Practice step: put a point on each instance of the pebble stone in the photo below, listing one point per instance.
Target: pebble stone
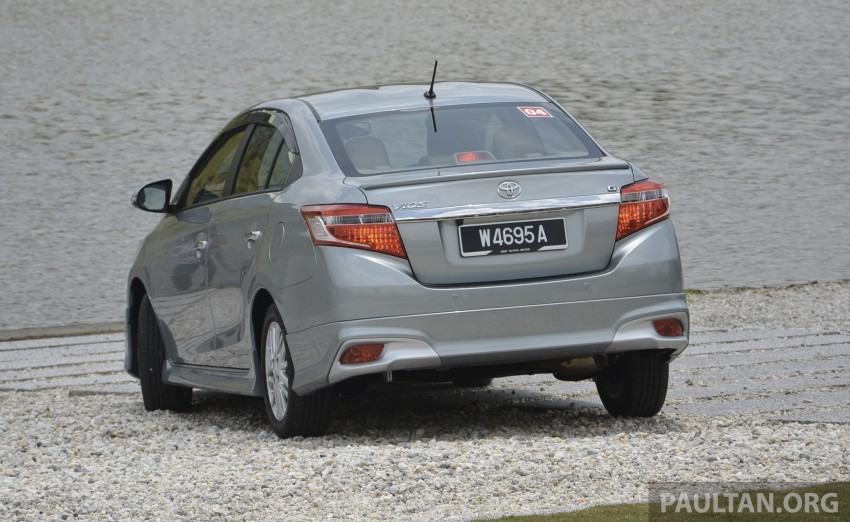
(102, 457)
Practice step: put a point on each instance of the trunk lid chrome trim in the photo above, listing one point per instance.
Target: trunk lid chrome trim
(509, 207)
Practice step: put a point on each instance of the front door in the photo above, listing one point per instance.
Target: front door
(179, 286)
(179, 283)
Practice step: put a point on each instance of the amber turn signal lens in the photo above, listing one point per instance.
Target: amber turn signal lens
(361, 353)
(358, 226)
(642, 204)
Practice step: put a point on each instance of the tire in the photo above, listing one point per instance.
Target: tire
(290, 414)
(635, 385)
(473, 382)
(156, 394)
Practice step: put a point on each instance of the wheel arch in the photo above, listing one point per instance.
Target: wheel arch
(137, 292)
(262, 300)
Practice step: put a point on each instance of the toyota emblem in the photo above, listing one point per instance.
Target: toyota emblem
(509, 189)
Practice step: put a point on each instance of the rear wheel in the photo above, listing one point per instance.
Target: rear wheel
(635, 385)
(156, 394)
(290, 414)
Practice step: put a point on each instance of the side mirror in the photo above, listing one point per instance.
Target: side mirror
(153, 197)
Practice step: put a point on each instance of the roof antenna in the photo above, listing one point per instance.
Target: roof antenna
(430, 94)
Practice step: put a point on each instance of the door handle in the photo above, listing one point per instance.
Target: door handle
(200, 246)
(251, 236)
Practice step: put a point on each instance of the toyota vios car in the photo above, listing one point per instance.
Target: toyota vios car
(380, 233)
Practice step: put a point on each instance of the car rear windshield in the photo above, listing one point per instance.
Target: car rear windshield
(406, 140)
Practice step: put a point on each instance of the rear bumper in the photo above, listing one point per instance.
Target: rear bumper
(368, 298)
(492, 336)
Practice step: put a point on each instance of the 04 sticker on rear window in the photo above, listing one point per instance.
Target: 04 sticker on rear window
(535, 112)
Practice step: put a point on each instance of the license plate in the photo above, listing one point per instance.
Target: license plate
(514, 237)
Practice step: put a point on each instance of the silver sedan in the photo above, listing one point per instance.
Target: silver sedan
(380, 234)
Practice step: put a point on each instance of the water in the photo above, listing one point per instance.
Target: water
(741, 108)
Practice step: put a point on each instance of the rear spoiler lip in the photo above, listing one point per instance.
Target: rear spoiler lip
(406, 179)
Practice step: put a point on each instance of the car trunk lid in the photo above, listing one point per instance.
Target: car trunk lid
(470, 225)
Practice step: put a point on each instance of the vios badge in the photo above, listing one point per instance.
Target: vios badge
(509, 189)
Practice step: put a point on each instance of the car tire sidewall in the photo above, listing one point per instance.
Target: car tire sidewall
(156, 394)
(282, 427)
(636, 386)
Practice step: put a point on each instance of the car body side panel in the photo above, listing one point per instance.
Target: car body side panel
(289, 258)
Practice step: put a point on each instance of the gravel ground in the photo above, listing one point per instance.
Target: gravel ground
(823, 306)
(418, 453)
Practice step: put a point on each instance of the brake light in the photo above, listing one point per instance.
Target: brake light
(642, 204)
(358, 226)
(476, 155)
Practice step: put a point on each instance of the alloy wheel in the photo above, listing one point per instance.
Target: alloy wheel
(277, 371)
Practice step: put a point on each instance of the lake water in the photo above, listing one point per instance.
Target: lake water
(741, 108)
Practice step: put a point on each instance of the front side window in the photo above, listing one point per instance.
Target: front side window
(399, 141)
(210, 180)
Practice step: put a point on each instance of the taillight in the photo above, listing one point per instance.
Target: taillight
(357, 226)
(642, 204)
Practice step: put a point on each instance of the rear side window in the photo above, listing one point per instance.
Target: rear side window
(451, 136)
(287, 163)
(258, 160)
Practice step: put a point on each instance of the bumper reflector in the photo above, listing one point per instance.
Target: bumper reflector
(361, 353)
(668, 327)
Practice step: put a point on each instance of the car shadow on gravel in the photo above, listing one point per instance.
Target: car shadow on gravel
(211, 409)
(409, 412)
(445, 412)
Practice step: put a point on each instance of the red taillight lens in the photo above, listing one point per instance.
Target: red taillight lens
(361, 353)
(669, 327)
(358, 226)
(642, 204)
